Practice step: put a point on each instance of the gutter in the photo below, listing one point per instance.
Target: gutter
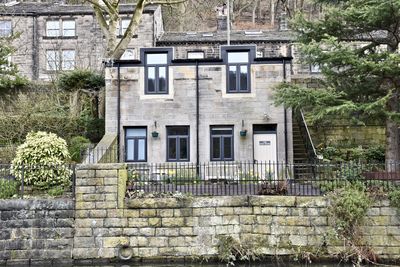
(35, 57)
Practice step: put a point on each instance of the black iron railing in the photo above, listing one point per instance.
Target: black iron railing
(261, 178)
(18, 180)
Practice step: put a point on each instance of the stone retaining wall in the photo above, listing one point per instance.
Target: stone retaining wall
(192, 227)
(36, 231)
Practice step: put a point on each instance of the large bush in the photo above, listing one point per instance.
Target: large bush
(81, 79)
(40, 161)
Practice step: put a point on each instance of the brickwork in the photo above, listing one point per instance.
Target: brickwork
(36, 230)
(192, 227)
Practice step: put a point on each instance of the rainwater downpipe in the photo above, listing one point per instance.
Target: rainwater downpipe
(197, 117)
(118, 112)
(285, 116)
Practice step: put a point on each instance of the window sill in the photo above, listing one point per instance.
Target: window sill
(60, 37)
(156, 96)
(238, 94)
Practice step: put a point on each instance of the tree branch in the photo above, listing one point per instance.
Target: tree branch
(164, 2)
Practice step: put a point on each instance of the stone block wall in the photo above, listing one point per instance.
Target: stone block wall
(191, 227)
(36, 231)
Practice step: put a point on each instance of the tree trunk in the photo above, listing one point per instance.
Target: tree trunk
(392, 136)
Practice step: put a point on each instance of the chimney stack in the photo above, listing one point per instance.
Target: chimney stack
(222, 20)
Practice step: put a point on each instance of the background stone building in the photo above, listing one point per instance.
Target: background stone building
(57, 37)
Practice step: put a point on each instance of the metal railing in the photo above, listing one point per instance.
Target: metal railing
(261, 178)
(17, 180)
(305, 133)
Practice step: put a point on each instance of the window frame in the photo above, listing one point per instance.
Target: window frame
(59, 60)
(195, 51)
(136, 139)
(143, 55)
(251, 50)
(221, 138)
(177, 138)
(60, 22)
(4, 30)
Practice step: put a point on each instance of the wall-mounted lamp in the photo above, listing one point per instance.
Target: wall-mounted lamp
(155, 133)
(243, 132)
(266, 116)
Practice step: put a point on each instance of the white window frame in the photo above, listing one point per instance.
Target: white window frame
(59, 29)
(59, 61)
(5, 28)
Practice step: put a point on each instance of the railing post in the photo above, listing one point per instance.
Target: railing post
(22, 182)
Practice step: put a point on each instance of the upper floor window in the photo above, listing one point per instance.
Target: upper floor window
(5, 28)
(238, 72)
(156, 72)
(195, 54)
(56, 28)
(122, 26)
(60, 60)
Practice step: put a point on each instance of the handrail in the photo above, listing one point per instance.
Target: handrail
(315, 155)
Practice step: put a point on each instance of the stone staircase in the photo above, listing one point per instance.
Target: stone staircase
(302, 159)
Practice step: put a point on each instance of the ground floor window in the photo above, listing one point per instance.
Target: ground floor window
(221, 143)
(178, 143)
(136, 144)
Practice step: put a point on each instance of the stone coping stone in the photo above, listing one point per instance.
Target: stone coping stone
(102, 166)
(226, 201)
(37, 204)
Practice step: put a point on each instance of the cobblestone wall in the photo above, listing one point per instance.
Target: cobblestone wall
(192, 227)
(39, 231)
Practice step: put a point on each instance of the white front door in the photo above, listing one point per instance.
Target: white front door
(265, 154)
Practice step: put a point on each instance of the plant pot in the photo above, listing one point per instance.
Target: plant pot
(243, 133)
(154, 134)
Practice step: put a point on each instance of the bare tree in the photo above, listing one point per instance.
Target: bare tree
(107, 14)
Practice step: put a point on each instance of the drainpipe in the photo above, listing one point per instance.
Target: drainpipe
(119, 113)
(197, 117)
(228, 30)
(35, 59)
(285, 116)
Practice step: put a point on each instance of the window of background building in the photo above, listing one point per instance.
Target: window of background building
(238, 72)
(128, 54)
(178, 143)
(68, 59)
(136, 144)
(122, 26)
(60, 60)
(195, 54)
(156, 73)
(5, 28)
(221, 143)
(57, 28)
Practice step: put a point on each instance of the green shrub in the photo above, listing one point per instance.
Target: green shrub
(9, 85)
(56, 191)
(375, 154)
(394, 198)
(40, 161)
(76, 146)
(80, 79)
(8, 188)
(348, 208)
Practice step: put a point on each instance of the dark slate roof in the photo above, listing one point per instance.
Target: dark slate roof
(221, 36)
(58, 9)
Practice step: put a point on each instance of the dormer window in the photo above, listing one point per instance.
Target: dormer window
(156, 72)
(238, 72)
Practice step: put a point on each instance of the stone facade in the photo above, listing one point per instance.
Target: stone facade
(216, 107)
(29, 21)
(186, 227)
(36, 230)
